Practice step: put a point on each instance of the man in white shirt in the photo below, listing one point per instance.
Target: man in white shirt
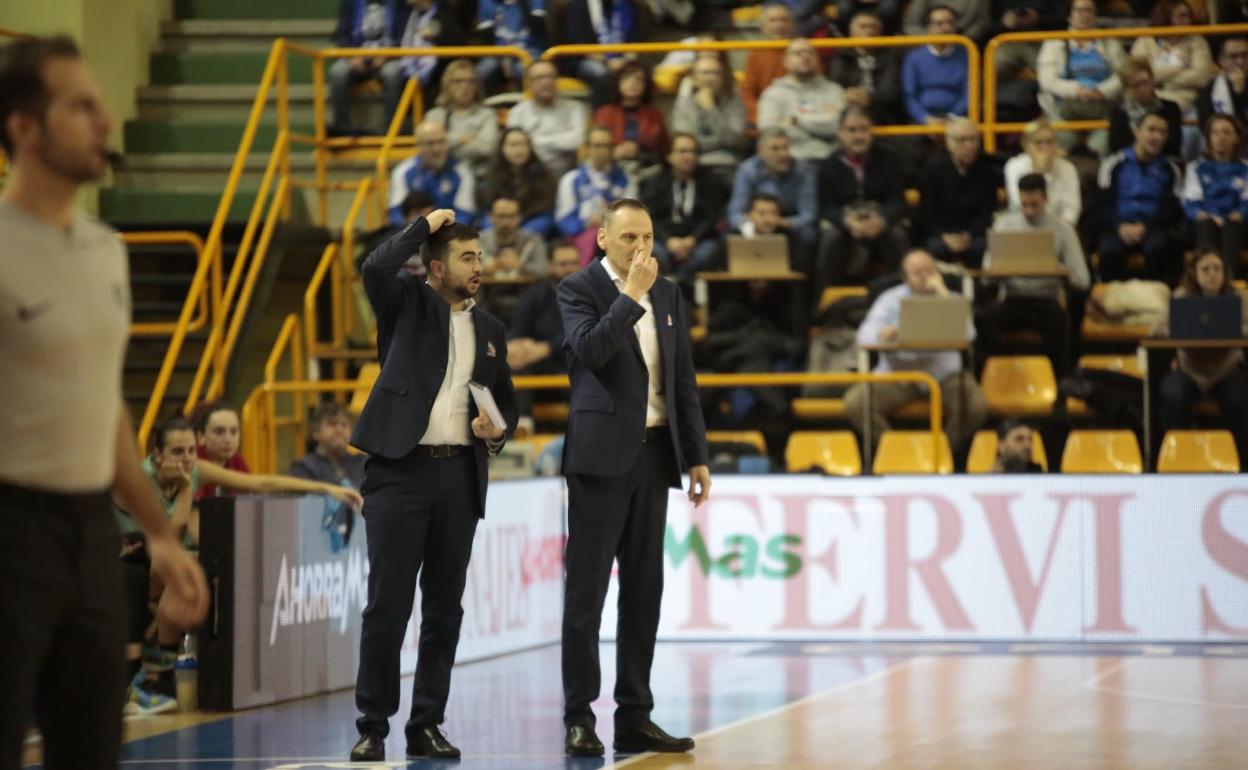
(425, 482)
(556, 126)
(68, 447)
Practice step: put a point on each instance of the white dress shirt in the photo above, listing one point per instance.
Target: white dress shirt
(448, 420)
(648, 336)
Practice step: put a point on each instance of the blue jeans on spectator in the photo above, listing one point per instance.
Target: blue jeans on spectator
(1161, 259)
(341, 77)
(1179, 391)
(492, 74)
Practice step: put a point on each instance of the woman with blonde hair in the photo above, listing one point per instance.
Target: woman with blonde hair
(471, 127)
(1040, 156)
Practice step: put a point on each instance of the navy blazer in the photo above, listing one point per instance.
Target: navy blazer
(413, 342)
(607, 419)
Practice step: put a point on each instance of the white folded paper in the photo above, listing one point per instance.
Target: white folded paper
(485, 404)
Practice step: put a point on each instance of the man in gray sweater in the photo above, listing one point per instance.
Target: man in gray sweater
(804, 104)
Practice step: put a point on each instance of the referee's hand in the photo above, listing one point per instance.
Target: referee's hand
(184, 602)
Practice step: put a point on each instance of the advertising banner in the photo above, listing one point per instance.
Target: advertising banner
(958, 557)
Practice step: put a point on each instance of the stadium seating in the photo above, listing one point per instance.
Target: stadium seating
(910, 451)
(1123, 364)
(1102, 451)
(1019, 386)
(751, 438)
(1198, 451)
(984, 452)
(832, 452)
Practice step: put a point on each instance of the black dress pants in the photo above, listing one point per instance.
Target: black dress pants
(63, 611)
(420, 516)
(616, 518)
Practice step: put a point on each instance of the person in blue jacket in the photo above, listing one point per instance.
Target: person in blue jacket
(366, 24)
(1215, 190)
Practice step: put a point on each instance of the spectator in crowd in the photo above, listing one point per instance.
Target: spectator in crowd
(599, 22)
(1037, 304)
(586, 191)
(179, 478)
(707, 106)
(471, 127)
(1012, 59)
(871, 76)
(1014, 442)
(1079, 78)
(1138, 99)
(516, 172)
(934, 77)
(887, 12)
(959, 196)
(1181, 66)
(964, 404)
(774, 171)
(764, 66)
(686, 202)
(331, 460)
(555, 126)
(638, 129)
(450, 184)
(862, 197)
(507, 249)
(431, 24)
(1217, 373)
(1061, 179)
(1215, 190)
(803, 104)
(217, 437)
(1228, 94)
(514, 23)
(973, 17)
(366, 24)
(535, 334)
(1139, 206)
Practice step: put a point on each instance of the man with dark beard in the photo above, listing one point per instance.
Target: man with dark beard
(424, 484)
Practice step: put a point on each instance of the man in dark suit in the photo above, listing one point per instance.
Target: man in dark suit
(635, 425)
(424, 485)
(687, 202)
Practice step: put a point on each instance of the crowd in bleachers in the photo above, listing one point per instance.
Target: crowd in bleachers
(784, 144)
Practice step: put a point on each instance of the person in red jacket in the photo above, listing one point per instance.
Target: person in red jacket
(217, 429)
(637, 126)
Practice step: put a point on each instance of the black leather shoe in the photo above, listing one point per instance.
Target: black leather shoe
(582, 741)
(647, 736)
(428, 741)
(371, 747)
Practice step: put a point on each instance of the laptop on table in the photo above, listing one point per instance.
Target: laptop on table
(934, 319)
(1207, 318)
(758, 256)
(1022, 251)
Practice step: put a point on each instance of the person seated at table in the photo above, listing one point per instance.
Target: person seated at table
(1139, 205)
(450, 184)
(965, 407)
(958, 195)
(777, 173)
(507, 249)
(1014, 442)
(1036, 304)
(637, 127)
(686, 202)
(1139, 97)
(863, 200)
(518, 173)
(1215, 190)
(585, 192)
(1217, 373)
(1061, 178)
(330, 460)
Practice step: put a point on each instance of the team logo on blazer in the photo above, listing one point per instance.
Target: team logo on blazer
(490, 352)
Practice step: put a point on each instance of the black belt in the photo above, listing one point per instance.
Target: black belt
(656, 433)
(440, 451)
(42, 501)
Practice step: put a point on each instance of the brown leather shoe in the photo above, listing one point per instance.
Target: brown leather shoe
(647, 736)
(371, 747)
(582, 741)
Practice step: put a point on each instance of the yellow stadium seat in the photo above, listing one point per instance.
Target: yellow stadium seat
(1101, 451)
(912, 197)
(550, 412)
(667, 77)
(751, 437)
(571, 87)
(984, 452)
(833, 452)
(1020, 386)
(749, 16)
(1198, 451)
(836, 293)
(910, 451)
(368, 376)
(1123, 364)
(818, 409)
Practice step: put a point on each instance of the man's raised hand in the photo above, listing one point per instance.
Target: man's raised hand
(642, 272)
(439, 217)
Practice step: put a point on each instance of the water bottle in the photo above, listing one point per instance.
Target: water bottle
(186, 674)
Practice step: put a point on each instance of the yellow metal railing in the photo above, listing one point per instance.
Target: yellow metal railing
(990, 125)
(261, 420)
(171, 238)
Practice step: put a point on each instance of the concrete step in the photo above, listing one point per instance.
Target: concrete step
(181, 36)
(255, 9)
(156, 206)
(181, 170)
(145, 137)
(221, 67)
(208, 102)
